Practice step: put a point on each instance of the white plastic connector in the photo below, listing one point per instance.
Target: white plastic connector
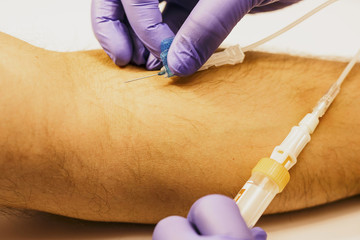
(310, 121)
(325, 102)
(288, 151)
(231, 55)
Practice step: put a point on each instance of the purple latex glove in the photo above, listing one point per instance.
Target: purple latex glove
(213, 217)
(132, 30)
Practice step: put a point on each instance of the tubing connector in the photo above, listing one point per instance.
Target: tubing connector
(288, 151)
(231, 55)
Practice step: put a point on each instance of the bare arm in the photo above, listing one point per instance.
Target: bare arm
(77, 141)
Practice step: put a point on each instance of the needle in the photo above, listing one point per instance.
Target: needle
(136, 79)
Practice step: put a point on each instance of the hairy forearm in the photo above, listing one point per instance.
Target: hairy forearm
(28, 91)
(80, 142)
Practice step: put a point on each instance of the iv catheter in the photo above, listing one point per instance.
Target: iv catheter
(271, 175)
(233, 54)
(140, 78)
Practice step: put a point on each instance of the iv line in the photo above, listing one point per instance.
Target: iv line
(288, 27)
(270, 176)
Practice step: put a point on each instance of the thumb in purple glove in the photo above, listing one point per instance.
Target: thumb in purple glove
(207, 26)
(214, 217)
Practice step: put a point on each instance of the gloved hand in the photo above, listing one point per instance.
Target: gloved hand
(132, 30)
(214, 217)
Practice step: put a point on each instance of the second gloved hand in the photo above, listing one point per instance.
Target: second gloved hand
(214, 217)
(132, 30)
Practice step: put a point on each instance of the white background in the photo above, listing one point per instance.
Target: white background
(64, 25)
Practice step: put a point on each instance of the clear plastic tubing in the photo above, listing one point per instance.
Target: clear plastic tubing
(270, 176)
(235, 54)
(260, 191)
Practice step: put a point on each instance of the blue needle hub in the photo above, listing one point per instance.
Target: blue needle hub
(165, 46)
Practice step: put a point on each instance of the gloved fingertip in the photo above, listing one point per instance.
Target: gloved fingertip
(153, 63)
(114, 38)
(121, 62)
(182, 63)
(121, 54)
(258, 233)
(168, 222)
(174, 227)
(218, 215)
(119, 58)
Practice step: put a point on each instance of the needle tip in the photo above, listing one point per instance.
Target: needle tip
(136, 79)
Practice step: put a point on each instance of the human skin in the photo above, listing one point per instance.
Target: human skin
(77, 141)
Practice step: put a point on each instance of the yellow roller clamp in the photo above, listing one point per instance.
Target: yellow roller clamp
(274, 170)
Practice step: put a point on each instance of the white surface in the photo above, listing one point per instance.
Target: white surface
(61, 25)
(332, 33)
(335, 221)
(64, 25)
(340, 220)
